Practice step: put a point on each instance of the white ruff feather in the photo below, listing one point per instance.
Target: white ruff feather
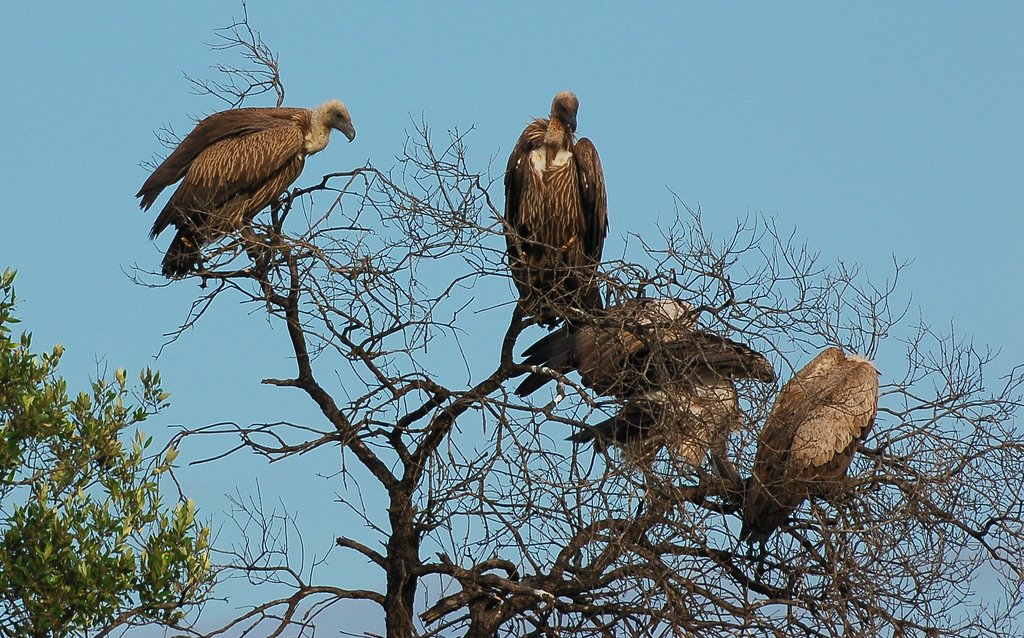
(861, 359)
(562, 157)
(667, 309)
(538, 162)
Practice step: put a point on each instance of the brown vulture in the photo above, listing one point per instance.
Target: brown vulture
(556, 215)
(819, 419)
(676, 381)
(233, 165)
(684, 417)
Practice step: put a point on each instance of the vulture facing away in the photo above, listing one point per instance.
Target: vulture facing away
(233, 165)
(677, 381)
(819, 419)
(685, 418)
(556, 215)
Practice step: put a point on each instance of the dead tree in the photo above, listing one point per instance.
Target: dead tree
(493, 525)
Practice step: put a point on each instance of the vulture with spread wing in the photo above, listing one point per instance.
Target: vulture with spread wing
(676, 381)
(819, 419)
(233, 165)
(556, 215)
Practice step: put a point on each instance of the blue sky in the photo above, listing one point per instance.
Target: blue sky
(874, 129)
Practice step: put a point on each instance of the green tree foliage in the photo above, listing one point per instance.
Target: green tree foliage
(86, 543)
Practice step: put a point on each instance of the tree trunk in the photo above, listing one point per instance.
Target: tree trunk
(403, 562)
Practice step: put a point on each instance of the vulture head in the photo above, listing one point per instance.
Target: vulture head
(564, 107)
(334, 114)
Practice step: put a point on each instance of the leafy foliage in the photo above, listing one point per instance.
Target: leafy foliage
(86, 542)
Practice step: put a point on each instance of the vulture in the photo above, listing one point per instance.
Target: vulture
(817, 423)
(556, 216)
(686, 418)
(676, 381)
(231, 166)
(638, 345)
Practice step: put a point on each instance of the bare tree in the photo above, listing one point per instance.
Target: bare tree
(493, 525)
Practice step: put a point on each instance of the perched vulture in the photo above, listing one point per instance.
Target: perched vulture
(676, 382)
(639, 345)
(685, 418)
(232, 165)
(556, 215)
(819, 419)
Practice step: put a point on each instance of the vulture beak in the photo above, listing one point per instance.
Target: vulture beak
(571, 123)
(347, 129)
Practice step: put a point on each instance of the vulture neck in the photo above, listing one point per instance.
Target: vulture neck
(319, 134)
(556, 138)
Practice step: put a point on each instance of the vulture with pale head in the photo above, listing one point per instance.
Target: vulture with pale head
(819, 419)
(556, 216)
(233, 165)
(676, 381)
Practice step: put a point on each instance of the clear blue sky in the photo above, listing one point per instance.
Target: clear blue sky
(874, 129)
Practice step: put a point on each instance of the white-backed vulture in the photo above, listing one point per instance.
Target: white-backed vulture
(676, 381)
(685, 418)
(233, 165)
(556, 215)
(819, 419)
(639, 345)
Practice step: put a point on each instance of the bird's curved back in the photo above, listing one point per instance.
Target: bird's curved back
(206, 133)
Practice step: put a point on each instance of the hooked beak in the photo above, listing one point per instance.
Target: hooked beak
(571, 123)
(349, 131)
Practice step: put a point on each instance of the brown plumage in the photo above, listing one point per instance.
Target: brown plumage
(677, 382)
(233, 165)
(684, 417)
(819, 419)
(556, 215)
(639, 345)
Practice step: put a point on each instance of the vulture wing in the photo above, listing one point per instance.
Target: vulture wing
(593, 197)
(236, 165)
(207, 132)
(627, 350)
(706, 354)
(843, 413)
(516, 177)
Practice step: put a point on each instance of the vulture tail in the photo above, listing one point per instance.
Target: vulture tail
(607, 431)
(536, 380)
(634, 422)
(751, 535)
(587, 434)
(758, 524)
(547, 346)
(533, 382)
(555, 351)
(182, 255)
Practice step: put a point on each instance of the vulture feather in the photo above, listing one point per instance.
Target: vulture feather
(819, 419)
(684, 418)
(231, 166)
(640, 344)
(556, 215)
(676, 381)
